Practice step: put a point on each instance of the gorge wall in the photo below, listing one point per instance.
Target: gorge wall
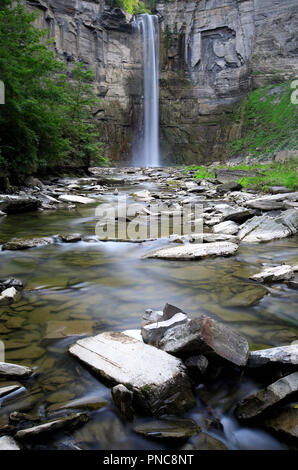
(212, 53)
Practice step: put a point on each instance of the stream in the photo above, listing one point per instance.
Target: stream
(99, 286)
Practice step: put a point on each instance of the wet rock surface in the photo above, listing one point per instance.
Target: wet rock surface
(259, 402)
(180, 429)
(121, 359)
(195, 251)
(278, 356)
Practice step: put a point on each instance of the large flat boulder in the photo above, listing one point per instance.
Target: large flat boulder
(194, 251)
(229, 176)
(14, 370)
(276, 273)
(204, 335)
(27, 243)
(265, 228)
(18, 204)
(120, 359)
(273, 202)
(276, 356)
(76, 199)
(168, 429)
(258, 402)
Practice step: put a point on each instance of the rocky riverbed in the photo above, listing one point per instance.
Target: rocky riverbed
(72, 283)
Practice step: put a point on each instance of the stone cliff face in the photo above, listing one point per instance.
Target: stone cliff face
(212, 52)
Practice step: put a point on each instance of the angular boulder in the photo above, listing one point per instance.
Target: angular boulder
(76, 199)
(194, 251)
(71, 421)
(228, 228)
(8, 296)
(278, 273)
(14, 370)
(18, 204)
(120, 359)
(259, 402)
(265, 228)
(204, 335)
(153, 332)
(25, 244)
(168, 429)
(275, 356)
(269, 203)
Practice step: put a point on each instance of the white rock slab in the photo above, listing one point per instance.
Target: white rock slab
(279, 355)
(9, 389)
(8, 296)
(153, 332)
(8, 443)
(229, 228)
(194, 251)
(158, 380)
(76, 199)
(136, 334)
(14, 370)
(277, 273)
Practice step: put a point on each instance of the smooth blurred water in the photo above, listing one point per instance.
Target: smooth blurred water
(95, 287)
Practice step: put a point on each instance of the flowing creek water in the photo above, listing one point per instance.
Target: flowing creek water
(102, 286)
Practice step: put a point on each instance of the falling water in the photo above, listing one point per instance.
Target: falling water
(147, 25)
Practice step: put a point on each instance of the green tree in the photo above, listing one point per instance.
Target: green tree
(37, 129)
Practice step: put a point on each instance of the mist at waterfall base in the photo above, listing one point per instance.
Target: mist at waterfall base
(146, 151)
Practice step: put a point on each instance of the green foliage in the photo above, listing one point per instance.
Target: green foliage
(269, 121)
(203, 172)
(276, 174)
(46, 118)
(135, 7)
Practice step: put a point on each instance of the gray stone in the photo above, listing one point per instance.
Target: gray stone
(265, 228)
(8, 296)
(123, 399)
(228, 187)
(232, 176)
(8, 443)
(271, 274)
(53, 425)
(162, 387)
(197, 365)
(18, 204)
(285, 423)
(73, 238)
(168, 429)
(278, 356)
(14, 370)
(239, 216)
(7, 389)
(268, 203)
(153, 332)
(25, 244)
(260, 401)
(204, 335)
(11, 282)
(136, 334)
(227, 228)
(76, 199)
(194, 251)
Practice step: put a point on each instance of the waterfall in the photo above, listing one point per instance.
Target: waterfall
(148, 152)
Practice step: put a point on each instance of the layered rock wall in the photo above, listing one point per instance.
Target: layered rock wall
(212, 53)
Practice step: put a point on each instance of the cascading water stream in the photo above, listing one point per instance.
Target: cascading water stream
(148, 154)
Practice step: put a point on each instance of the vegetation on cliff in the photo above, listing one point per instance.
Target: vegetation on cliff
(268, 121)
(135, 7)
(47, 117)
